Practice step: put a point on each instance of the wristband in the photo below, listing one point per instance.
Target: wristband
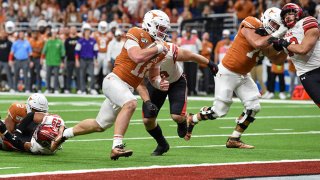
(159, 48)
(156, 83)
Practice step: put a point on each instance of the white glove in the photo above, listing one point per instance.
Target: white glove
(280, 32)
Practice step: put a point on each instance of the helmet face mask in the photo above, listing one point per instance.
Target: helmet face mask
(157, 24)
(291, 9)
(271, 20)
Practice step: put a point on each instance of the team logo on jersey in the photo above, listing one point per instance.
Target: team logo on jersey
(144, 40)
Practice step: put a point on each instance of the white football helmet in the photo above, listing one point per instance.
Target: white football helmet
(10, 27)
(271, 19)
(86, 26)
(37, 102)
(157, 24)
(103, 27)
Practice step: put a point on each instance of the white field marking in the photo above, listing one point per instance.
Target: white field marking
(201, 136)
(226, 118)
(205, 146)
(2, 168)
(153, 167)
(282, 129)
(190, 98)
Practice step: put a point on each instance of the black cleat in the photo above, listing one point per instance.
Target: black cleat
(182, 129)
(160, 150)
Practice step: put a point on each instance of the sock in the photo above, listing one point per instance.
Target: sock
(236, 134)
(195, 118)
(68, 133)
(117, 140)
(156, 133)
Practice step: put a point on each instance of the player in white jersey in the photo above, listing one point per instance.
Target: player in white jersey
(177, 94)
(47, 130)
(301, 42)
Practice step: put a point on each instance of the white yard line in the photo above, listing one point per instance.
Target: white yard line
(152, 167)
(200, 136)
(3, 168)
(138, 121)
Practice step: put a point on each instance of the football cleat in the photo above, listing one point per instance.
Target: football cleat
(160, 150)
(119, 151)
(182, 129)
(190, 125)
(237, 143)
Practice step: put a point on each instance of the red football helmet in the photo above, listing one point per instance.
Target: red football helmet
(46, 134)
(291, 7)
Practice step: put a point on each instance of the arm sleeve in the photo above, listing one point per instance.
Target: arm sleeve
(130, 43)
(25, 122)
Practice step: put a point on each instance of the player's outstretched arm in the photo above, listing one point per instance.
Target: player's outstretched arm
(186, 55)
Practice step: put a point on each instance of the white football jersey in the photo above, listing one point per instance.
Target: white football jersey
(310, 61)
(53, 121)
(169, 67)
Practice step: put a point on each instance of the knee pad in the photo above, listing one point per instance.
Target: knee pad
(207, 113)
(247, 115)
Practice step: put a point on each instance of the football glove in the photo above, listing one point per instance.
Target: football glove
(278, 43)
(153, 109)
(261, 31)
(213, 68)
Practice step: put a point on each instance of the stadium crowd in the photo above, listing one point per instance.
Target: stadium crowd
(41, 24)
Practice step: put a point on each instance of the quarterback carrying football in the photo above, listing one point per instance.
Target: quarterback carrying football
(130, 68)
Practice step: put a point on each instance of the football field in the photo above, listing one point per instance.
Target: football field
(283, 130)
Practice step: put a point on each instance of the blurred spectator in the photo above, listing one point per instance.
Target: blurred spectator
(71, 69)
(91, 19)
(244, 8)
(278, 71)
(11, 15)
(174, 16)
(2, 15)
(35, 66)
(146, 6)
(35, 17)
(185, 15)
(317, 15)
(272, 3)
(222, 46)
(71, 15)
(207, 48)
(102, 38)
(164, 8)
(193, 44)
(174, 37)
(219, 6)
(230, 7)
(125, 19)
(52, 53)
(293, 76)
(268, 94)
(20, 52)
(158, 3)
(206, 11)
(86, 51)
(261, 7)
(257, 74)
(309, 7)
(114, 49)
(5, 47)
